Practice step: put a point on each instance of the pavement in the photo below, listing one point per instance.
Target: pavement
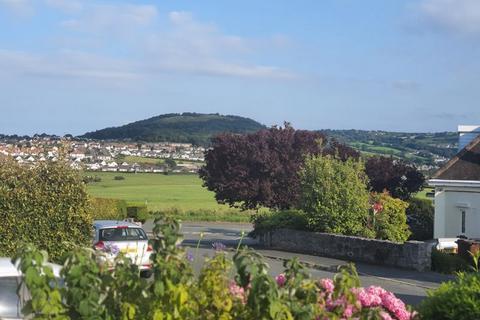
(411, 286)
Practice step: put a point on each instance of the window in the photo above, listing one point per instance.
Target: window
(9, 301)
(122, 234)
(463, 221)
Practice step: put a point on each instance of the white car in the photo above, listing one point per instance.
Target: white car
(11, 300)
(113, 237)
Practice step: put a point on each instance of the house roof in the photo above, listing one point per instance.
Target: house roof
(464, 166)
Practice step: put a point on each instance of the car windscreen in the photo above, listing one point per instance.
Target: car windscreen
(122, 234)
(9, 300)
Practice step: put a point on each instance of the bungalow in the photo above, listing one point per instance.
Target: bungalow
(457, 189)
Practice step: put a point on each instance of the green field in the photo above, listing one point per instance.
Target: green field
(157, 191)
(423, 194)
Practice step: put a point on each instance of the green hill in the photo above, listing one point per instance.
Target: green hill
(429, 149)
(195, 128)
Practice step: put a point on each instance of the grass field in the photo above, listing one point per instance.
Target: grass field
(157, 191)
(423, 194)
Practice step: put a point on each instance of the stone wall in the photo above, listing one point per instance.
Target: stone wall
(410, 255)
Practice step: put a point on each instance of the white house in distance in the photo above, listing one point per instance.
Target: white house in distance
(457, 189)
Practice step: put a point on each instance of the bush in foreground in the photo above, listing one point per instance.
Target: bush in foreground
(93, 292)
(459, 299)
(46, 204)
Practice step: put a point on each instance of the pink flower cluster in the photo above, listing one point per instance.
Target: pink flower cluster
(328, 285)
(389, 306)
(281, 279)
(237, 292)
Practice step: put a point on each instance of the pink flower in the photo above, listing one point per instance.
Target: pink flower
(237, 292)
(348, 312)
(327, 284)
(281, 279)
(385, 316)
(367, 298)
(395, 306)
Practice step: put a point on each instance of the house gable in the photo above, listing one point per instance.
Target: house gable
(464, 166)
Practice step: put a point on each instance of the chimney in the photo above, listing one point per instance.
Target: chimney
(466, 134)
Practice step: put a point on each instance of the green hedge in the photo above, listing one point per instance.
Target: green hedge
(138, 212)
(46, 205)
(448, 263)
(224, 214)
(291, 219)
(108, 209)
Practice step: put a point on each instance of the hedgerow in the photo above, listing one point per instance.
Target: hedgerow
(46, 205)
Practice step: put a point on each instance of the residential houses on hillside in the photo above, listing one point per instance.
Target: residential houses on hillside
(105, 156)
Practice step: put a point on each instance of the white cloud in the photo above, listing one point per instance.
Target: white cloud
(18, 7)
(190, 46)
(112, 18)
(149, 44)
(69, 6)
(67, 64)
(454, 15)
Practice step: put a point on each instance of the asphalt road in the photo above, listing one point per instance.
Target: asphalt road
(410, 286)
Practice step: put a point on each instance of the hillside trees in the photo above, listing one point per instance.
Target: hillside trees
(46, 205)
(261, 169)
(400, 179)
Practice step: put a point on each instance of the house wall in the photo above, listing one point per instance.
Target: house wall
(449, 203)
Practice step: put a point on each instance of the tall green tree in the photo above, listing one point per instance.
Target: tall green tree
(335, 196)
(46, 205)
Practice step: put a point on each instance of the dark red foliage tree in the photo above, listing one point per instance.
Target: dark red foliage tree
(261, 169)
(400, 179)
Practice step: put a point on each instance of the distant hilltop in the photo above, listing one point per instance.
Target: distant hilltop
(194, 128)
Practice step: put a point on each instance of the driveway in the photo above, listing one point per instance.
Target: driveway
(410, 286)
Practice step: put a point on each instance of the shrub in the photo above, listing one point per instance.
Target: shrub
(119, 178)
(457, 299)
(220, 214)
(93, 292)
(448, 262)
(46, 205)
(108, 209)
(291, 219)
(334, 196)
(138, 212)
(420, 215)
(390, 223)
(90, 179)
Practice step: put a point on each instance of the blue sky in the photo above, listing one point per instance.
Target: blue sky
(69, 66)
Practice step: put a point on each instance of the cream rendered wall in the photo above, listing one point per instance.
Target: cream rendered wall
(449, 203)
(439, 218)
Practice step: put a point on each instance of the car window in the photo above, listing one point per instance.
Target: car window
(9, 301)
(122, 234)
